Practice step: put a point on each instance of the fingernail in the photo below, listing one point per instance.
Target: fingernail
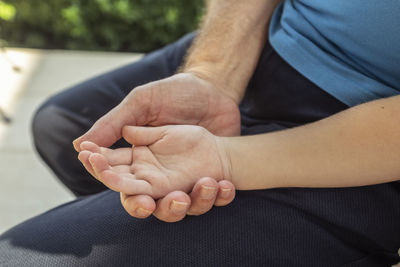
(207, 192)
(225, 192)
(143, 212)
(178, 206)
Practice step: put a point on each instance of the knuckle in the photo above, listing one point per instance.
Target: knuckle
(136, 153)
(133, 168)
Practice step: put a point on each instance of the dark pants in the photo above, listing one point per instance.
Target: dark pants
(279, 227)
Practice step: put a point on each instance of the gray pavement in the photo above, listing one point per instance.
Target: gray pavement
(27, 187)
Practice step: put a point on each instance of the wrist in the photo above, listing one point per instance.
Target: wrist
(225, 157)
(211, 75)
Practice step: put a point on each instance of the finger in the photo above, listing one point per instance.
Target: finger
(203, 196)
(119, 156)
(122, 169)
(172, 207)
(143, 136)
(118, 182)
(138, 206)
(107, 130)
(83, 156)
(226, 193)
(99, 163)
(90, 146)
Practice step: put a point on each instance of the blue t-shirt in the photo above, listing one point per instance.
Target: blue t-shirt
(349, 48)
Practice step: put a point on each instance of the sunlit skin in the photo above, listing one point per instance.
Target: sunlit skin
(211, 83)
(186, 99)
(164, 159)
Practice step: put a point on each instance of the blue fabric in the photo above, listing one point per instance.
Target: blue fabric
(351, 49)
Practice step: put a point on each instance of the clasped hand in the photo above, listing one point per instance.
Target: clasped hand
(165, 163)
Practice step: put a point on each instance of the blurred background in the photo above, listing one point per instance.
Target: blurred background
(47, 46)
(107, 25)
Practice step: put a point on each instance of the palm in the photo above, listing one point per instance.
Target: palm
(177, 160)
(164, 159)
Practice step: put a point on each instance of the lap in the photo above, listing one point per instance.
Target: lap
(281, 227)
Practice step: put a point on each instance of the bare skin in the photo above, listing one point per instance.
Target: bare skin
(162, 160)
(182, 98)
(206, 93)
(119, 162)
(169, 158)
(357, 147)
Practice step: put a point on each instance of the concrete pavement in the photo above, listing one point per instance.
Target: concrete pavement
(27, 187)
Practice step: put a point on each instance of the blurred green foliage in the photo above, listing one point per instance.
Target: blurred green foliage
(112, 25)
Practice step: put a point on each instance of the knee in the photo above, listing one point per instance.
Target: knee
(41, 126)
(49, 128)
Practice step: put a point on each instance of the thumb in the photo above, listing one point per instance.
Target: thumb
(107, 130)
(143, 136)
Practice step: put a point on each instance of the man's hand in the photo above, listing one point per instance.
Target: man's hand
(181, 99)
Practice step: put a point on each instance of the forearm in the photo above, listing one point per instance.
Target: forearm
(359, 146)
(229, 43)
